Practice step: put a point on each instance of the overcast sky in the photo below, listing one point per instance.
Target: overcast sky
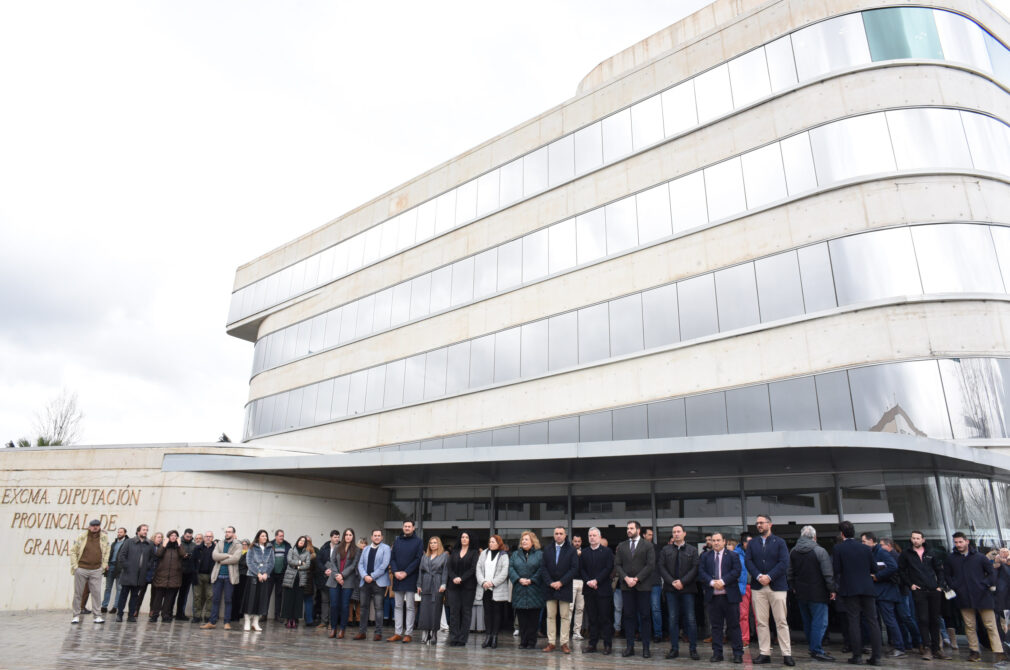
(149, 148)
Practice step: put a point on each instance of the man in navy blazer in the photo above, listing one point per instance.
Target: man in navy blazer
(854, 567)
(373, 568)
(719, 574)
(767, 562)
(885, 582)
(558, 569)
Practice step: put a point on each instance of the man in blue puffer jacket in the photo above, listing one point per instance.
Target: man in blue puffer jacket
(405, 561)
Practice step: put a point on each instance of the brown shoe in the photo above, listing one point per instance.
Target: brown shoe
(565, 649)
(227, 626)
(394, 638)
(549, 647)
(377, 638)
(333, 633)
(340, 635)
(208, 626)
(942, 656)
(406, 639)
(360, 636)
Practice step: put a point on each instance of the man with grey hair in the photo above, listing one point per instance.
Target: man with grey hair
(596, 562)
(812, 579)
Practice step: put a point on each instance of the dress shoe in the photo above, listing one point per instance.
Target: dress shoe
(227, 626)
(628, 651)
(565, 649)
(332, 634)
(105, 610)
(824, 657)
(672, 654)
(486, 643)
(762, 658)
(646, 653)
(119, 618)
(854, 660)
(377, 637)
(715, 658)
(694, 655)
(738, 659)
(406, 639)
(181, 617)
(974, 656)
(589, 650)
(549, 648)
(788, 660)
(207, 626)
(657, 638)
(133, 619)
(394, 638)
(360, 636)
(873, 660)
(607, 651)
(942, 655)
(340, 634)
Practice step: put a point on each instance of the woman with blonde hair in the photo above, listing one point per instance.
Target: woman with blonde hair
(528, 596)
(431, 587)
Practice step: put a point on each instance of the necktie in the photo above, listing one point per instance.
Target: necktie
(718, 565)
(633, 543)
(557, 554)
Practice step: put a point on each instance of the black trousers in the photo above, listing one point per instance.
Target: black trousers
(278, 580)
(162, 600)
(636, 605)
(600, 613)
(188, 580)
(460, 602)
(867, 606)
(927, 612)
(529, 621)
(723, 613)
(136, 594)
(492, 613)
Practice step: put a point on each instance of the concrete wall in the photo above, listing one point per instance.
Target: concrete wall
(48, 495)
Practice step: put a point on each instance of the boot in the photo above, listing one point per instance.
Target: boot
(487, 641)
(246, 623)
(494, 640)
(953, 638)
(255, 620)
(434, 638)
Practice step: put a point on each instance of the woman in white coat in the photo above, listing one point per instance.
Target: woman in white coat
(492, 582)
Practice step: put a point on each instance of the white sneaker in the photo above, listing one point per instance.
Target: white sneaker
(515, 633)
(99, 619)
(576, 636)
(76, 619)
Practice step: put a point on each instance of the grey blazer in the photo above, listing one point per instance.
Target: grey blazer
(641, 564)
(350, 571)
(500, 578)
(433, 573)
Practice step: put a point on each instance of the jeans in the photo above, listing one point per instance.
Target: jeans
(890, 619)
(656, 605)
(680, 604)
(370, 594)
(188, 580)
(278, 580)
(222, 586)
(909, 629)
(340, 604)
(618, 610)
(109, 580)
(815, 623)
(307, 602)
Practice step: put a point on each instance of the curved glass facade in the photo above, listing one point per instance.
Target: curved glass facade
(894, 262)
(876, 143)
(833, 45)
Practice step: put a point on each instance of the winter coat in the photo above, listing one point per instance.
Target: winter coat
(300, 564)
(499, 579)
(525, 566)
(853, 565)
(135, 558)
(1002, 587)
(405, 556)
(887, 576)
(596, 564)
(971, 575)
(229, 558)
(433, 573)
(810, 574)
(925, 572)
(78, 548)
(688, 557)
(168, 573)
(259, 560)
(188, 564)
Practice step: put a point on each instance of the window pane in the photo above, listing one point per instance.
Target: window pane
(830, 45)
(485, 274)
(294, 408)
(506, 355)
(904, 398)
(413, 379)
(482, 361)
(653, 214)
(1001, 239)
(407, 231)
(445, 212)
(588, 149)
(851, 148)
(503, 437)
(631, 423)
(781, 65)
(487, 192)
(724, 189)
(561, 246)
(561, 160)
(458, 368)
(374, 393)
(595, 427)
(957, 258)
(341, 393)
(736, 296)
(834, 402)
(591, 234)
(976, 394)
(989, 141)
(763, 176)
(712, 92)
(510, 264)
(928, 138)
(902, 32)
(626, 325)
(687, 197)
(961, 40)
(779, 290)
(393, 390)
(348, 322)
(366, 310)
(383, 310)
(874, 265)
(535, 171)
(356, 392)
(616, 136)
(659, 311)
(594, 334)
(466, 202)
(534, 349)
(280, 411)
(748, 75)
(564, 431)
(441, 287)
(622, 227)
(373, 237)
(535, 256)
(302, 330)
(971, 507)
(666, 419)
(646, 122)
(462, 282)
(426, 220)
(747, 410)
(999, 56)
(706, 414)
(511, 182)
(696, 298)
(799, 164)
(420, 296)
(564, 344)
(401, 304)
(308, 415)
(434, 373)
(679, 111)
(390, 231)
(794, 404)
(818, 284)
(533, 433)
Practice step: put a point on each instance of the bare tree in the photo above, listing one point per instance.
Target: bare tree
(59, 423)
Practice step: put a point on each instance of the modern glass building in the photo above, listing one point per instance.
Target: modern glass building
(759, 263)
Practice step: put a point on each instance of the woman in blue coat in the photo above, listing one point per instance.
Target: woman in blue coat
(527, 587)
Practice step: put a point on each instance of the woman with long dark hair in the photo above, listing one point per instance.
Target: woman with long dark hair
(342, 579)
(460, 587)
(259, 565)
(492, 576)
(298, 584)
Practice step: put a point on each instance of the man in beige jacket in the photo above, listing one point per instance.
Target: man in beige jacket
(89, 557)
(224, 576)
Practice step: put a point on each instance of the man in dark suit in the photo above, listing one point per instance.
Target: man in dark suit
(854, 567)
(885, 581)
(635, 563)
(719, 573)
(596, 563)
(559, 568)
(767, 562)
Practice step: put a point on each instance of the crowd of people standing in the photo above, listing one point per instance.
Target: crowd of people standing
(915, 594)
